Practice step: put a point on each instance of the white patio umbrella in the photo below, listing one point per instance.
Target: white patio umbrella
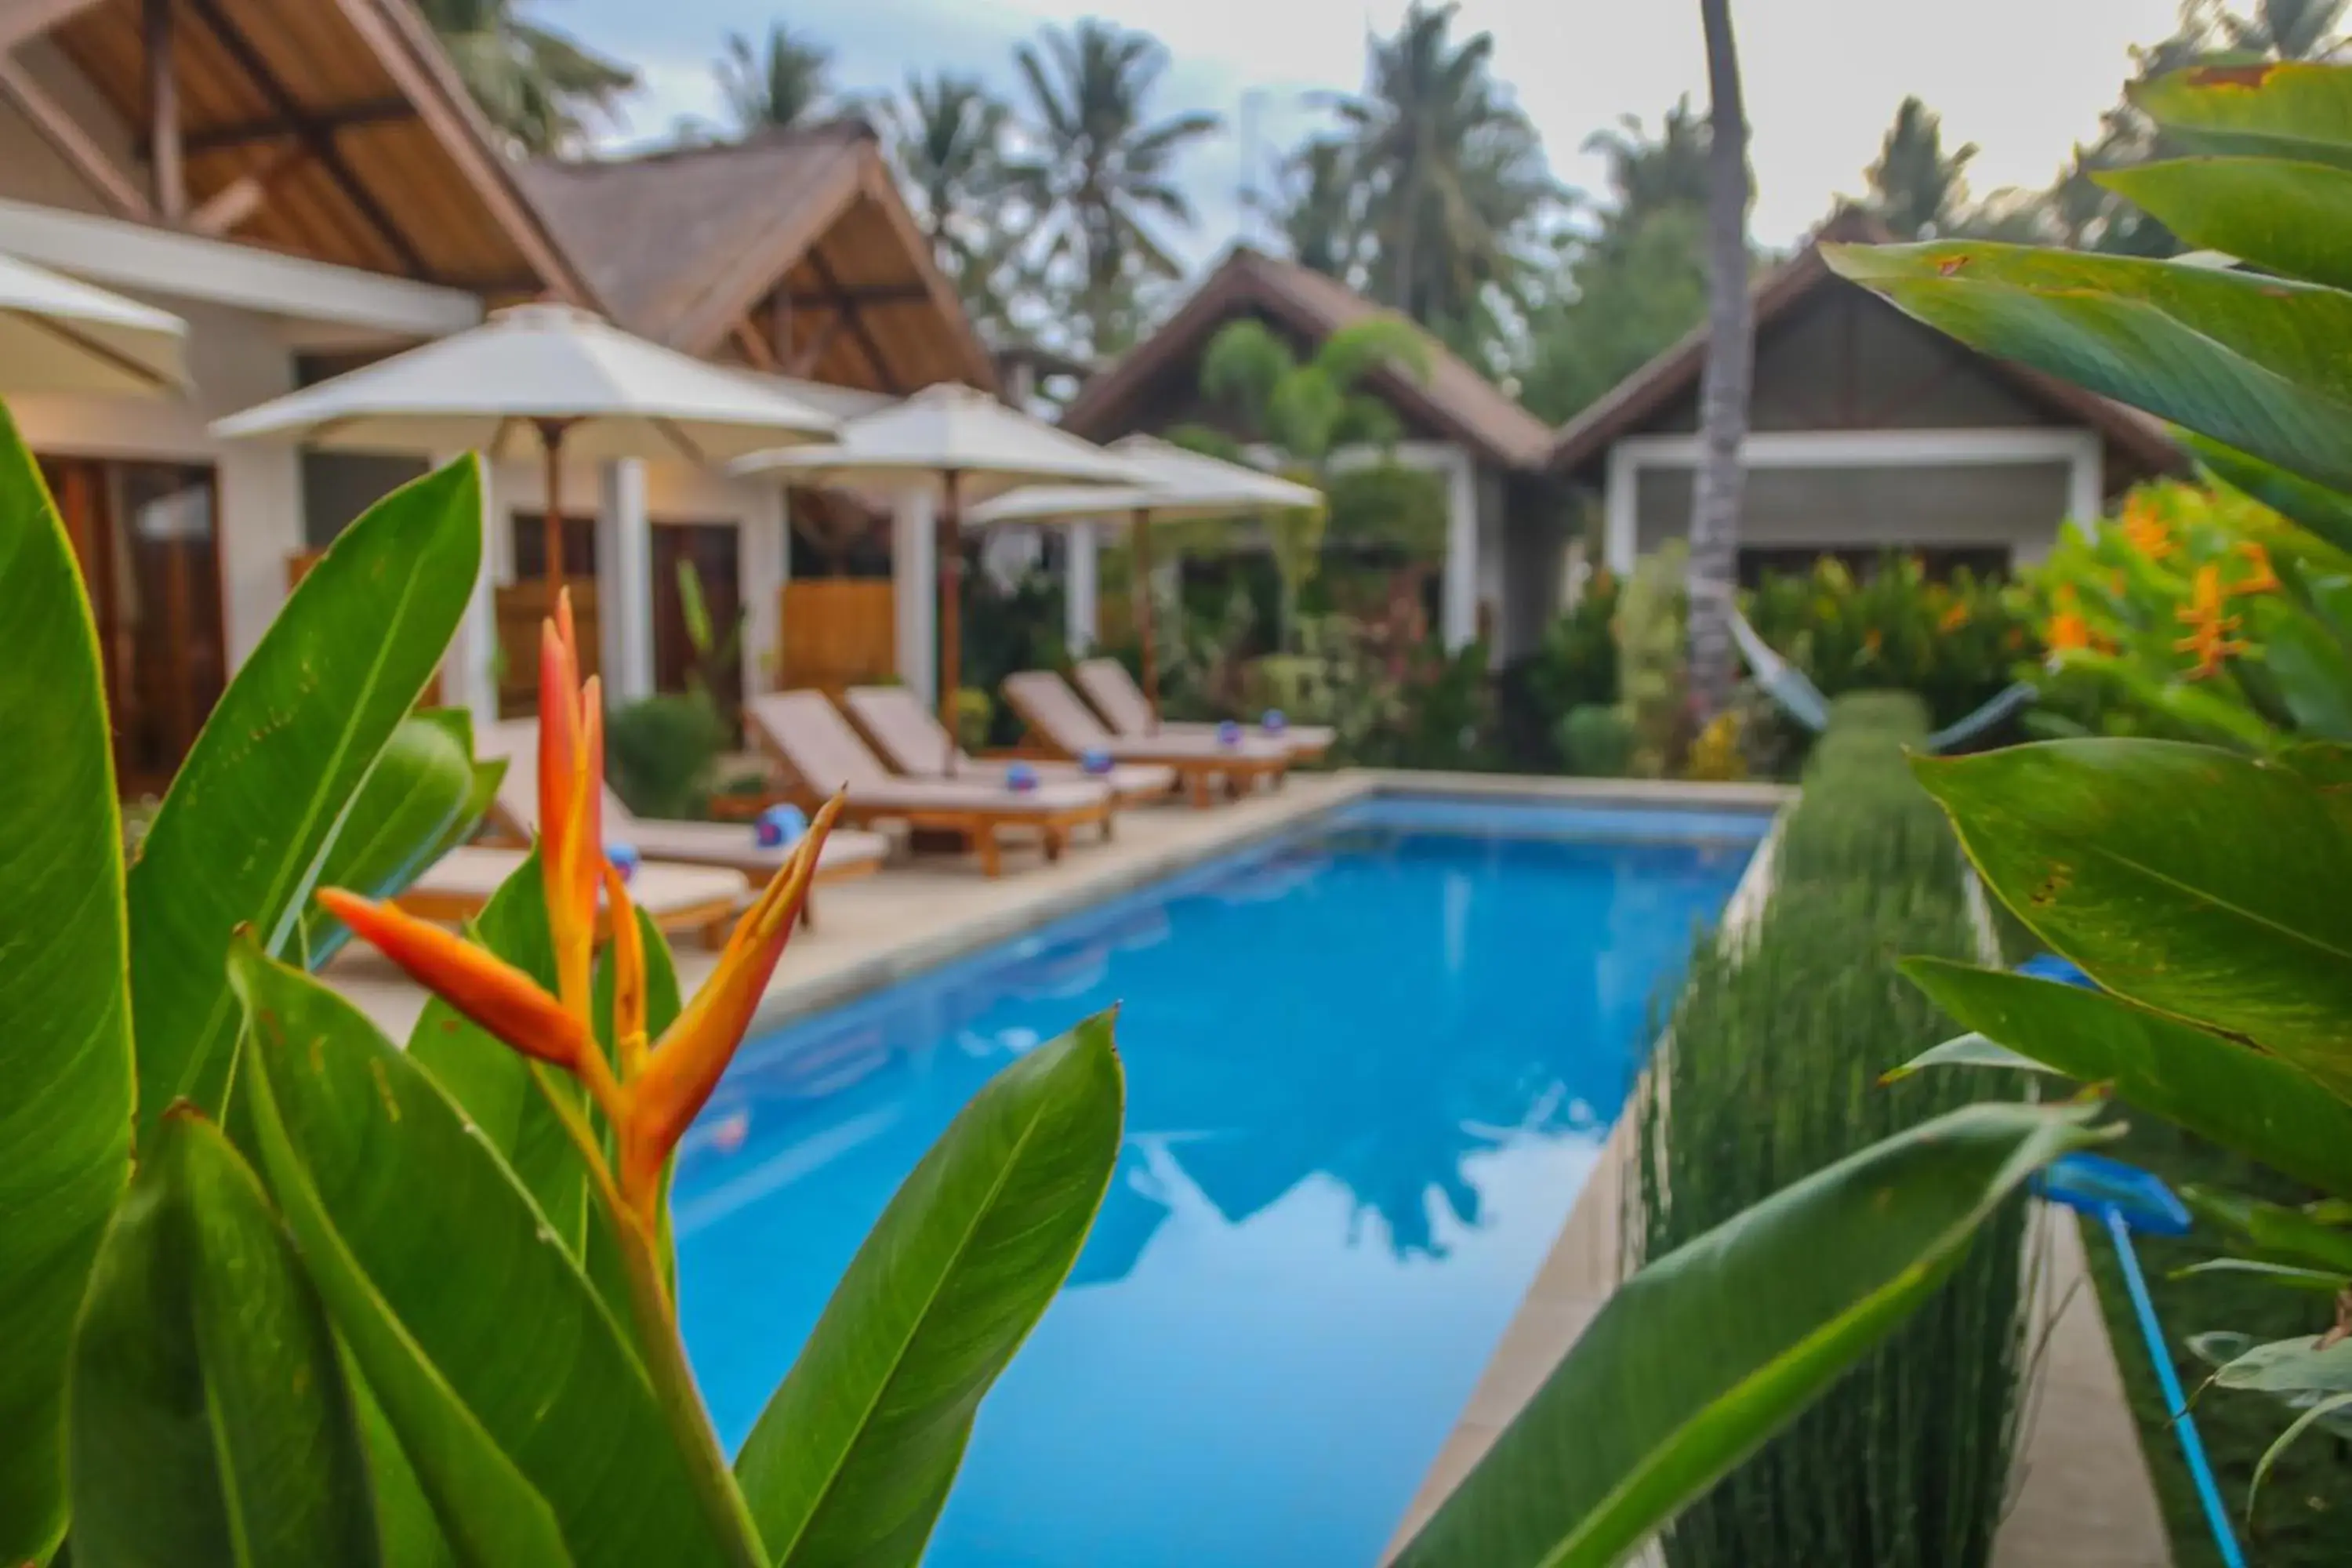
(972, 447)
(60, 336)
(578, 385)
(1178, 486)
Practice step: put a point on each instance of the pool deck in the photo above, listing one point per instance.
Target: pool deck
(2082, 1496)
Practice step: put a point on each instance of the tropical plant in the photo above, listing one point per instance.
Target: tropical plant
(1730, 363)
(248, 1285)
(2198, 614)
(784, 80)
(1771, 1051)
(1954, 644)
(2197, 885)
(1454, 180)
(1917, 189)
(1653, 660)
(1101, 170)
(539, 88)
(1319, 208)
(663, 751)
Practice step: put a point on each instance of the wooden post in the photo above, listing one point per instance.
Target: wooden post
(164, 128)
(949, 545)
(1142, 566)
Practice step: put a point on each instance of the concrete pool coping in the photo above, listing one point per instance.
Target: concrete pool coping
(2079, 1491)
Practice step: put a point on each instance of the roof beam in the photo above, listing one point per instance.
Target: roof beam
(844, 305)
(163, 162)
(319, 139)
(804, 362)
(873, 294)
(80, 151)
(227, 208)
(754, 344)
(278, 128)
(23, 19)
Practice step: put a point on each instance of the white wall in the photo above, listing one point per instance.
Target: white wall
(237, 360)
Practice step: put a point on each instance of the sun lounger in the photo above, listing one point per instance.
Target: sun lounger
(1061, 722)
(703, 900)
(514, 817)
(1115, 695)
(817, 747)
(910, 737)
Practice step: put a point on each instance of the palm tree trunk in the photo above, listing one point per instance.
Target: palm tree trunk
(1723, 396)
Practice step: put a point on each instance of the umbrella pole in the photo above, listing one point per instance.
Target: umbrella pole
(1142, 527)
(550, 442)
(948, 544)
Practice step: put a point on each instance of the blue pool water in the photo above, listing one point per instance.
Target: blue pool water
(1369, 1068)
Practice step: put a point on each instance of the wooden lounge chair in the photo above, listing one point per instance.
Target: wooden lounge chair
(817, 747)
(1106, 683)
(1062, 724)
(514, 819)
(703, 900)
(909, 736)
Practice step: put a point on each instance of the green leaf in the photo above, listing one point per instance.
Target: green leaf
(2318, 510)
(424, 796)
(2292, 1366)
(408, 1535)
(2313, 671)
(853, 1459)
(2285, 1274)
(1970, 1050)
(211, 1422)
(1706, 1352)
(64, 1011)
(520, 1384)
(2321, 1411)
(2279, 214)
(2194, 880)
(2292, 109)
(2238, 1098)
(2284, 1233)
(239, 838)
(2244, 359)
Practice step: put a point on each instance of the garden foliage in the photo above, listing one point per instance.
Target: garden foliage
(1770, 1073)
(1891, 628)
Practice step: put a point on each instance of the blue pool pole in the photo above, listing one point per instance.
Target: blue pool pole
(2121, 1198)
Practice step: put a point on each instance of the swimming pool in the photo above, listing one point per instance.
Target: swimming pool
(1368, 1066)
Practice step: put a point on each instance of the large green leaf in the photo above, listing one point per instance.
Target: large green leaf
(2292, 1366)
(65, 1013)
(2240, 1099)
(211, 1421)
(2309, 667)
(2324, 514)
(2277, 212)
(2244, 359)
(2285, 1234)
(424, 797)
(1704, 1354)
(2196, 881)
(493, 1357)
(853, 1459)
(239, 838)
(2264, 108)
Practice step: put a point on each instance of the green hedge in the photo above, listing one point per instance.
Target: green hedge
(1771, 1073)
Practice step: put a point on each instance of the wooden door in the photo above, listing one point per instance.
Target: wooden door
(839, 632)
(710, 548)
(148, 537)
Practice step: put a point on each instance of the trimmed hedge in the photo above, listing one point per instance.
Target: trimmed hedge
(1771, 1073)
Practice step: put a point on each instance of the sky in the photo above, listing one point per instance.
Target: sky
(2023, 78)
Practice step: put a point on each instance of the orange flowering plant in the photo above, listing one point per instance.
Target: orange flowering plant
(2195, 612)
(277, 1288)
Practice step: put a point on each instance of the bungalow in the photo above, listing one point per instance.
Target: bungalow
(1869, 431)
(306, 183)
(1505, 537)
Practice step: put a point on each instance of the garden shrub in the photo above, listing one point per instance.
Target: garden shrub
(660, 753)
(1597, 739)
(1955, 643)
(1652, 661)
(1772, 1073)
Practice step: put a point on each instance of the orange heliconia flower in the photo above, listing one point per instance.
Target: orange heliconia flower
(1956, 617)
(2067, 631)
(657, 1086)
(2145, 531)
(2261, 579)
(2208, 628)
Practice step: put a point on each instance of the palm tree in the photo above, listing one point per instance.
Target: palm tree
(786, 81)
(539, 88)
(1320, 210)
(1101, 169)
(2286, 29)
(948, 139)
(1649, 174)
(1730, 355)
(1918, 189)
(1454, 174)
